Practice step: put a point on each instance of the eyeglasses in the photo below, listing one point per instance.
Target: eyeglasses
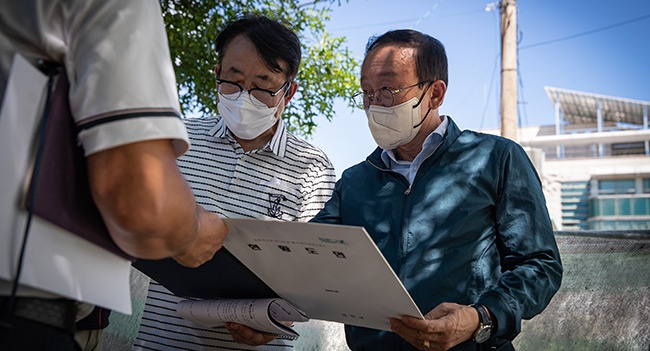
(262, 97)
(384, 96)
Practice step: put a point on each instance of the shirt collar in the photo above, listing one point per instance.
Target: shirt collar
(277, 144)
(428, 147)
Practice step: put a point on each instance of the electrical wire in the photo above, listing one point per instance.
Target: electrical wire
(407, 20)
(553, 41)
(487, 100)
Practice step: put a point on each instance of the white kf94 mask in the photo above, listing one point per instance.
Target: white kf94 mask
(396, 125)
(244, 118)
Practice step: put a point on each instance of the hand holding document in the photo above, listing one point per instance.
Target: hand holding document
(330, 272)
(263, 315)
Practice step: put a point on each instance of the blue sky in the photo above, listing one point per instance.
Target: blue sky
(595, 46)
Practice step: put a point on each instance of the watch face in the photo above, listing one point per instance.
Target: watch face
(483, 334)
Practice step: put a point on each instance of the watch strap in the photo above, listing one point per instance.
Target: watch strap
(484, 330)
(483, 316)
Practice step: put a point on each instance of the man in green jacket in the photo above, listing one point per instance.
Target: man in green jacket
(459, 215)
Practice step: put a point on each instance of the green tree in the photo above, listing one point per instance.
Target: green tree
(327, 71)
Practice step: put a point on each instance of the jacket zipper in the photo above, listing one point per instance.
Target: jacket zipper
(408, 191)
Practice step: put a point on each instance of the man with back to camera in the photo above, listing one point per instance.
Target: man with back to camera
(124, 101)
(459, 215)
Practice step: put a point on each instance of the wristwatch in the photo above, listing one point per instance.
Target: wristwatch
(484, 331)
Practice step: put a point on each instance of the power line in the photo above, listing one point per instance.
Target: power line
(375, 24)
(426, 14)
(585, 33)
(489, 95)
(417, 20)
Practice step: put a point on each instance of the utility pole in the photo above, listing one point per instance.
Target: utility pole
(509, 69)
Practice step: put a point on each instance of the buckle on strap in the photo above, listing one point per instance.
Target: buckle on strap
(58, 313)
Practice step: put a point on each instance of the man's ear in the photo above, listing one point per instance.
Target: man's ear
(217, 68)
(293, 88)
(438, 90)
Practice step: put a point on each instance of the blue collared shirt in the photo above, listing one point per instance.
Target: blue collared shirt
(410, 168)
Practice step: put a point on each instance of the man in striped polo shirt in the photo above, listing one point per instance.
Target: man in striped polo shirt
(244, 163)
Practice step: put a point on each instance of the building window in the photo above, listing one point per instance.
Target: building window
(619, 225)
(640, 206)
(608, 207)
(608, 225)
(617, 186)
(623, 149)
(640, 224)
(619, 204)
(623, 207)
(594, 208)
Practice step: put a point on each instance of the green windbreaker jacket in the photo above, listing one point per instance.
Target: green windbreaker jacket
(472, 228)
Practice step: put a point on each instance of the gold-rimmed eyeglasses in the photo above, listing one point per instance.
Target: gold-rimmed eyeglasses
(384, 96)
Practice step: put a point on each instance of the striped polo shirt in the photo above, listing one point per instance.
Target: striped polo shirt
(288, 179)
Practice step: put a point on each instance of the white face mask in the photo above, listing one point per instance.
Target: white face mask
(245, 119)
(396, 125)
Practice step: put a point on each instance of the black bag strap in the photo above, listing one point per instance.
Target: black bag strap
(52, 69)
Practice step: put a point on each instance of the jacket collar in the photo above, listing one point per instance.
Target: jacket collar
(451, 134)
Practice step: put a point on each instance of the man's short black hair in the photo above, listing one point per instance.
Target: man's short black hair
(274, 41)
(430, 59)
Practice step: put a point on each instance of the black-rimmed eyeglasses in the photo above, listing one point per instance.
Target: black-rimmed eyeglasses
(263, 98)
(384, 96)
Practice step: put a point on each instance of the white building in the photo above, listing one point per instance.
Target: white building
(594, 162)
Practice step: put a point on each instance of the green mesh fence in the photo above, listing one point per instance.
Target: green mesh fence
(603, 303)
(604, 300)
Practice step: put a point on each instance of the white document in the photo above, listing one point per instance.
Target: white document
(56, 261)
(264, 315)
(330, 272)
